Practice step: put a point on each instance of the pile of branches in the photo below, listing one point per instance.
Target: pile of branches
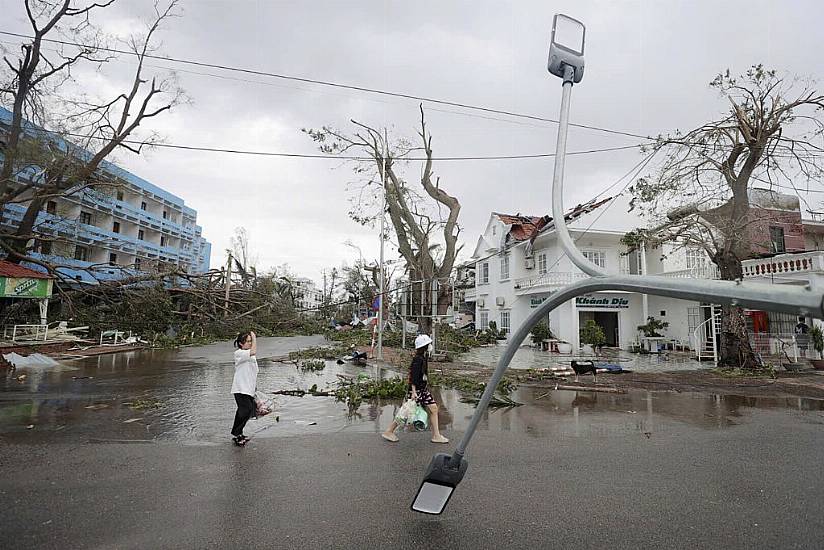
(168, 301)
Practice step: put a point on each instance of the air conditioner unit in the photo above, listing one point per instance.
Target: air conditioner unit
(529, 263)
(499, 301)
(480, 302)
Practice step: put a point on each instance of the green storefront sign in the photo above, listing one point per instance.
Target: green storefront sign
(24, 287)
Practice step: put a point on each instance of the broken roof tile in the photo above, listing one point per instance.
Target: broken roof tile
(528, 227)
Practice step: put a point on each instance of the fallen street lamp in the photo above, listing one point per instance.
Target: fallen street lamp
(445, 472)
(443, 475)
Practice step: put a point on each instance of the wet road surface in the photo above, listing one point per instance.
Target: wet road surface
(567, 469)
(528, 357)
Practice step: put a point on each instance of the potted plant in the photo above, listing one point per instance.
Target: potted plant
(652, 326)
(817, 337)
(651, 330)
(540, 333)
(592, 335)
(564, 347)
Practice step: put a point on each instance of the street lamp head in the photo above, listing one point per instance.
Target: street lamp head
(442, 477)
(566, 48)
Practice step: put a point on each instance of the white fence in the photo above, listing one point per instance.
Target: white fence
(25, 333)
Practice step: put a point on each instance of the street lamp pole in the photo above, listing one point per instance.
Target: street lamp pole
(446, 471)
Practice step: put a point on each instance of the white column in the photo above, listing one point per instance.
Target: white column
(575, 340)
(44, 310)
(644, 297)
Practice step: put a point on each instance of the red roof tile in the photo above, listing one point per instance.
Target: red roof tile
(522, 227)
(8, 269)
(528, 227)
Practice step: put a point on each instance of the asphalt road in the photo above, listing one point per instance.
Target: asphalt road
(754, 485)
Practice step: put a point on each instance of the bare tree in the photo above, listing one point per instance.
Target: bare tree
(331, 284)
(244, 260)
(39, 164)
(358, 283)
(286, 284)
(426, 232)
(773, 134)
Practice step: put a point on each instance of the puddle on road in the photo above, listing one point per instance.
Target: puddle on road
(527, 357)
(183, 395)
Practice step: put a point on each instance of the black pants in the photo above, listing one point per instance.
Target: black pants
(245, 409)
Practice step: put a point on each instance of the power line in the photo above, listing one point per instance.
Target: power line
(366, 90)
(303, 88)
(335, 157)
(333, 84)
(330, 157)
(637, 167)
(369, 90)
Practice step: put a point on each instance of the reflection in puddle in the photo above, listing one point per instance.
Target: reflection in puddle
(533, 358)
(184, 396)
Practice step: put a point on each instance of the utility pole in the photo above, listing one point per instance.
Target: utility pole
(434, 310)
(383, 229)
(227, 285)
(323, 296)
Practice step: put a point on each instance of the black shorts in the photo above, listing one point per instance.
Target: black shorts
(424, 397)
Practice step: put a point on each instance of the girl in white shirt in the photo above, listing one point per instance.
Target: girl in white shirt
(244, 384)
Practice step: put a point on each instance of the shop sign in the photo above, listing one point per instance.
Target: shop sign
(601, 302)
(535, 302)
(24, 287)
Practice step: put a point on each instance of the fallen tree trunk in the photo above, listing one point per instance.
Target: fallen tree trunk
(301, 393)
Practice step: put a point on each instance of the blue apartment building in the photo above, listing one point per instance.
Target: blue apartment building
(132, 224)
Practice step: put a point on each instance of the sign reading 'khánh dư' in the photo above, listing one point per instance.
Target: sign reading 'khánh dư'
(25, 287)
(535, 302)
(601, 302)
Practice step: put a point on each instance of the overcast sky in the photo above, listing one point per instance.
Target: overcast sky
(648, 64)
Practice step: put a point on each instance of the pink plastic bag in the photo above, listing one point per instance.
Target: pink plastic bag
(263, 404)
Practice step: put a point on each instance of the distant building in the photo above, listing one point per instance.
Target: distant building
(132, 223)
(308, 298)
(464, 281)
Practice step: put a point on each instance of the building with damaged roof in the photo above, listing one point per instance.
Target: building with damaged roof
(519, 263)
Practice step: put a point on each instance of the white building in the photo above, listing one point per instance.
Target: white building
(130, 223)
(520, 262)
(308, 298)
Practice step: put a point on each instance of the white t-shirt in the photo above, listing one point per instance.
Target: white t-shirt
(246, 371)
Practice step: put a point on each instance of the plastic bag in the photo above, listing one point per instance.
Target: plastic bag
(420, 420)
(406, 412)
(263, 404)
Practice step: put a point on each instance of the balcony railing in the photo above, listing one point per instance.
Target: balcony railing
(709, 271)
(470, 294)
(551, 279)
(785, 264)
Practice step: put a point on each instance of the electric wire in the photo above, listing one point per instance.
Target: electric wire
(332, 157)
(355, 88)
(636, 169)
(339, 85)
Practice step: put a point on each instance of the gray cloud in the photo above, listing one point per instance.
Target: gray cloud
(648, 65)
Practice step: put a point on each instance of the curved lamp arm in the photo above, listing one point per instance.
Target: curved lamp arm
(558, 185)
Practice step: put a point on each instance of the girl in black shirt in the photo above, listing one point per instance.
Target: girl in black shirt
(418, 390)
